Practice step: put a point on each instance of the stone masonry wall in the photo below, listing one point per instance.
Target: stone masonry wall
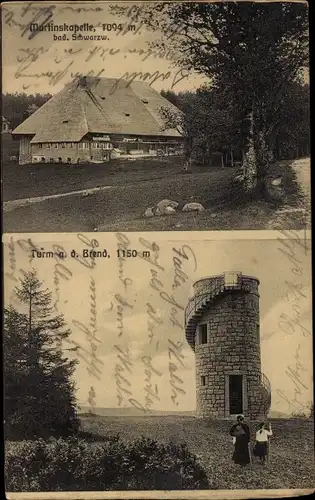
(233, 348)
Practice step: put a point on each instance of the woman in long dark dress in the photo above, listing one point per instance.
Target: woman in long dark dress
(240, 432)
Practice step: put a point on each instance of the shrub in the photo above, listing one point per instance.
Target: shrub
(307, 413)
(74, 464)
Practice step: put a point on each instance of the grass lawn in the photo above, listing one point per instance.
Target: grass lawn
(291, 453)
(132, 187)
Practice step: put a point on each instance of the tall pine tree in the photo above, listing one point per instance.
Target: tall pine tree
(39, 389)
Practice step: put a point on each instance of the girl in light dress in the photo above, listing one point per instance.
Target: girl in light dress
(262, 444)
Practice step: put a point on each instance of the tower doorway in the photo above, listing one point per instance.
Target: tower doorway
(235, 394)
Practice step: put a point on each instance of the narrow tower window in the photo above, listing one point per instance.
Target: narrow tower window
(202, 380)
(203, 334)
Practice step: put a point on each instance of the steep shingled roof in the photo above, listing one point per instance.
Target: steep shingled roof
(98, 105)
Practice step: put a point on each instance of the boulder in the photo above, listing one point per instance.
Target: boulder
(149, 212)
(169, 210)
(276, 182)
(193, 207)
(162, 206)
(274, 188)
(238, 179)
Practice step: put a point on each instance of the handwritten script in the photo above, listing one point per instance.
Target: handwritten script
(293, 248)
(97, 49)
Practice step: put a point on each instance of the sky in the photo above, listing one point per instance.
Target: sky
(136, 307)
(42, 64)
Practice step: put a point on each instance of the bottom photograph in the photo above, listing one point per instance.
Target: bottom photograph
(157, 362)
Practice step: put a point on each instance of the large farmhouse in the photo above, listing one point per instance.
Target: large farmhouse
(92, 117)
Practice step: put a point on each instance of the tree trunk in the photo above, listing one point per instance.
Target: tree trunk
(222, 161)
(264, 156)
(279, 153)
(232, 158)
(250, 161)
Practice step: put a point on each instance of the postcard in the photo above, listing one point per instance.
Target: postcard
(151, 361)
(157, 250)
(176, 121)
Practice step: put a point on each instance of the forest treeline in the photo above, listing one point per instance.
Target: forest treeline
(16, 107)
(213, 121)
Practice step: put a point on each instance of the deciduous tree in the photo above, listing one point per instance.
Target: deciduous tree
(254, 48)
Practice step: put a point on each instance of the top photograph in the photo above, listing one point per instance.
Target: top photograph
(155, 116)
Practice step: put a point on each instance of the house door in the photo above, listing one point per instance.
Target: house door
(235, 394)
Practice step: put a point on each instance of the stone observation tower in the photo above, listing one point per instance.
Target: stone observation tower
(222, 327)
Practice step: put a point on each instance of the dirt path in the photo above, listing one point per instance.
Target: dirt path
(24, 202)
(302, 169)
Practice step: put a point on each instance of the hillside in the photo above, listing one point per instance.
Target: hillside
(129, 412)
(135, 412)
(291, 461)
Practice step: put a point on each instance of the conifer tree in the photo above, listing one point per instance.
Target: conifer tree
(39, 390)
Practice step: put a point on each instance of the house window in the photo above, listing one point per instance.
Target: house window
(203, 334)
(65, 121)
(40, 146)
(203, 380)
(145, 101)
(55, 145)
(63, 145)
(48, 145)
(127, 114)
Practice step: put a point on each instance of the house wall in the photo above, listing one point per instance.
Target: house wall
(53, 153)
(146, 144)
(232, 348)
(71, 152)
(25, 155)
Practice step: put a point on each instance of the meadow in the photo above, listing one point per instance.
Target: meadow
(291, 461)
(128, 188)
